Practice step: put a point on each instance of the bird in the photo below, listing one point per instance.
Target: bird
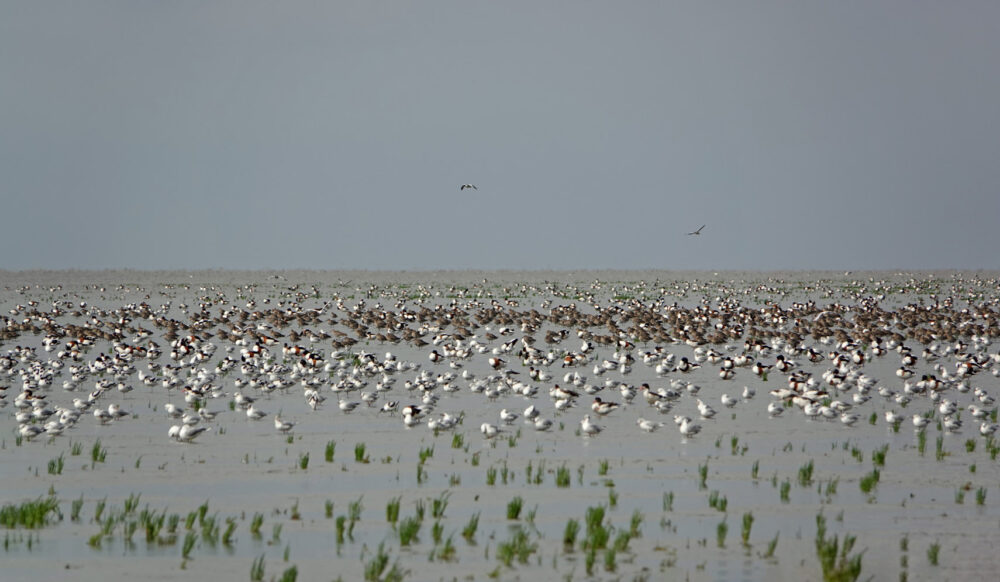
(489, 430)
(589, 428)
(686, 426)
(698, 231)
(283, 426)
(648, 425)
(464, 186)
(186, 433)
(601, 407)
(507, 416)
(254, 413)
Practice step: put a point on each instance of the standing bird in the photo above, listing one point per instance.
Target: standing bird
(283, 426)
(464, 186)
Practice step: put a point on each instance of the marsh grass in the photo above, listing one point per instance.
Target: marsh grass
(392, 510)
(408, 529)
(836, 561)
(879, 454)
(328, 452)
(75, 508)
(721, 530)
(786, 487)
(469, 531)
(514, 508)
(932, 553)
(702, 475)
(806, 474)
(29, 514)
(255, 523)
(257, 569)
(981, 496)
(519, 547)
(98, 454)
(303, 461)
(359, 454)
(56, 465)
(668, 501)
(440, 504)
(375, 569)
(491, 476)
(869, 481)
(563, 477)
(747, 526)
(569, 534)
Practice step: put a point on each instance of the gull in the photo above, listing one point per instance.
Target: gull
(588, 427)
(686, 426)
(507, 416)
(186, 433)
(543, 424)
(489, 430)
(282, 426)
(698, 231)
(648, 425)
(464, 186)
(254, 413)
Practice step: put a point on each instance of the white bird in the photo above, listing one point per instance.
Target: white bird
(283, 426)
(543, 424)
(253, 413)
(185, 433)
(489, 430)
(648, 425)
(686, 426)
(588, 427)
(920, 421)
(507, 416)
(346, 406)
(775, 409)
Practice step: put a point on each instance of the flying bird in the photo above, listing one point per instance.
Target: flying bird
(695, 232)
(464, 186)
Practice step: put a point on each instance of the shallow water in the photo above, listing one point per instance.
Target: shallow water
(244, 467)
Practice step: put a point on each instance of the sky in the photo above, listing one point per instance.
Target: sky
(335, 135)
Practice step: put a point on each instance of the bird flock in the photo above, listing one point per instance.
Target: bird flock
(541, 356)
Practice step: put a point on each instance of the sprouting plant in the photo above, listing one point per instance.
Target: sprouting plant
(469, 531)
(514, 508)
(747, 526)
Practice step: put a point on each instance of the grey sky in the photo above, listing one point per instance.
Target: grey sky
(806, 135)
